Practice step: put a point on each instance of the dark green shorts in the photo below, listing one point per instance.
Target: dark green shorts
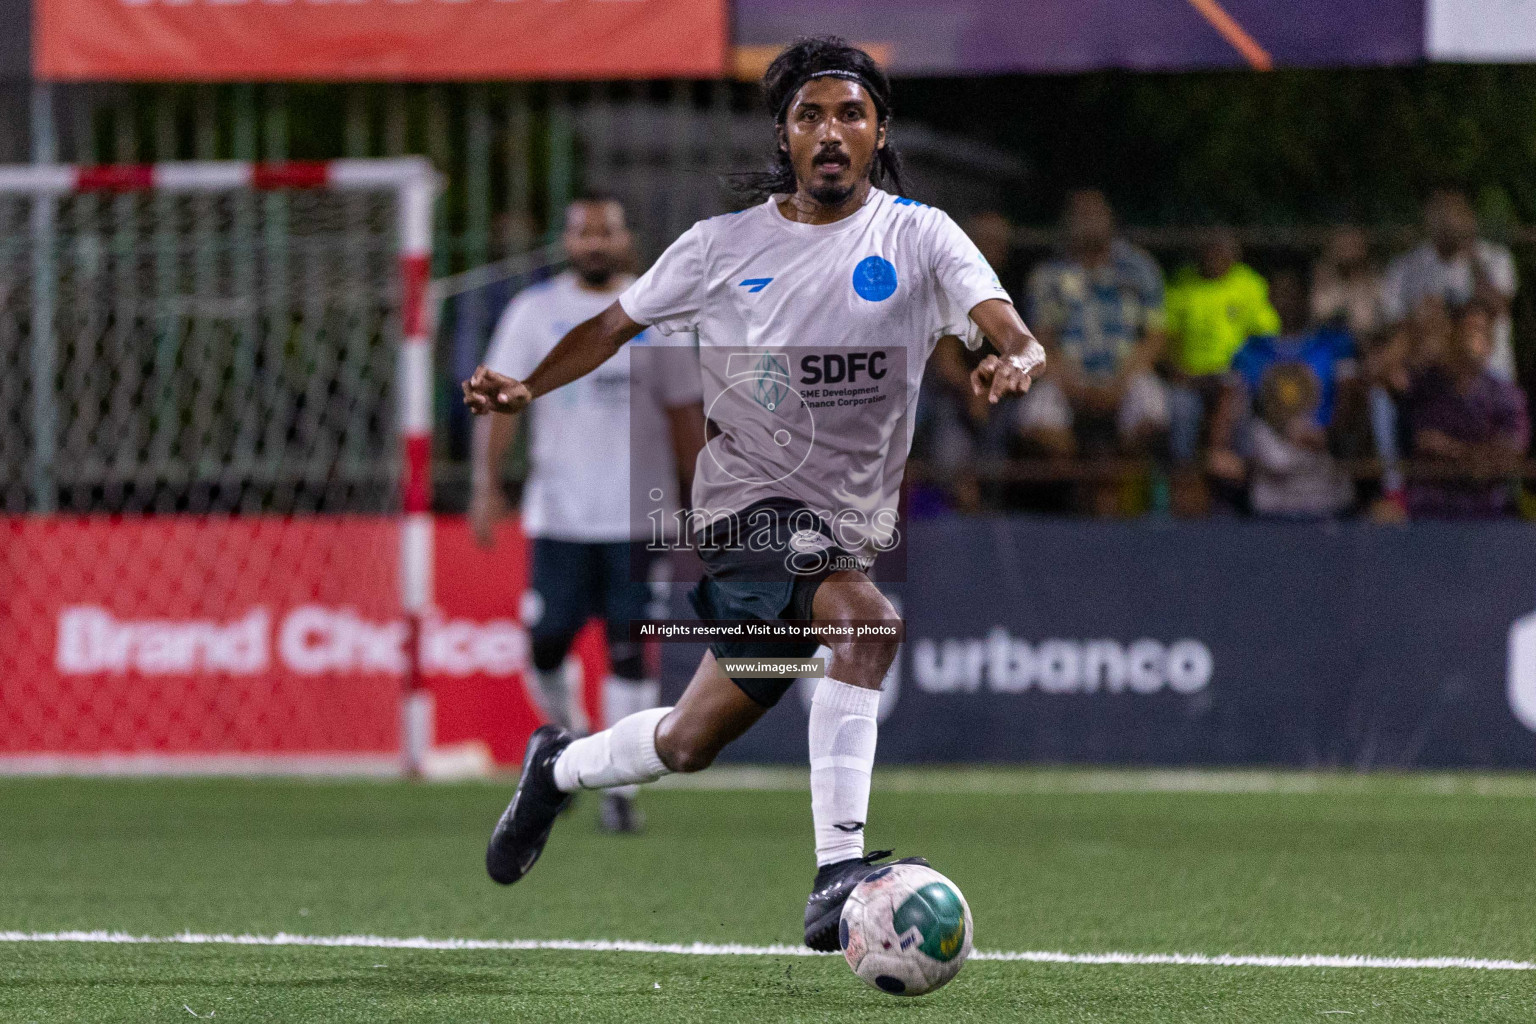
(742, 582)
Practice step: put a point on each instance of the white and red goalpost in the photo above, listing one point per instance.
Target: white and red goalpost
(215, 469)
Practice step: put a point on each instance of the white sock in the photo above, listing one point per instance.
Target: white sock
(622, 698)
(842, 738)
(557, 693)
(622, 756)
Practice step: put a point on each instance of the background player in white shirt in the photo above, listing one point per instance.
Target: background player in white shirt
(590, 443)
(815, 312)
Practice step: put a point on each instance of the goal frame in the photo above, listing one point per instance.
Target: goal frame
(415, 185)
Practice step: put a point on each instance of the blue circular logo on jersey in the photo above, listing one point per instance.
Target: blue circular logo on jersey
(874, 279)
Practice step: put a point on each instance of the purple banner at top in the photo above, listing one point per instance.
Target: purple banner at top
(974, 37)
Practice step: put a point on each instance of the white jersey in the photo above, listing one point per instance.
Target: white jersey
(581, 459)
(812, 341)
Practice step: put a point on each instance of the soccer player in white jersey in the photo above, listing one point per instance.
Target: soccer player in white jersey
(814, 312)
(588, 552)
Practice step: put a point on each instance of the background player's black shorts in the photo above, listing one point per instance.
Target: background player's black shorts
(573, 581)
(740, 583)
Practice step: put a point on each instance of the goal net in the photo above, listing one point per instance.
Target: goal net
(215, 384)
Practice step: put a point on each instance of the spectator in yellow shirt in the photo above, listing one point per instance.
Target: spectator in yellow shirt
(1212, 308)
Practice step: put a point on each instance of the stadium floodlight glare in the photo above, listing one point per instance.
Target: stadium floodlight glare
(217, 340)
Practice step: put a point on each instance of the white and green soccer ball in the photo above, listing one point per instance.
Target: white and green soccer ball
(906, 930)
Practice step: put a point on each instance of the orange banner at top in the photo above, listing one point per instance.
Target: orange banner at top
(222, 40)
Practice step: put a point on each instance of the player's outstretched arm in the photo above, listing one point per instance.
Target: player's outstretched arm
(1022, 356)
(583, 349)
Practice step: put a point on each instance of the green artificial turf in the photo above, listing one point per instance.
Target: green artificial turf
(1381, 867)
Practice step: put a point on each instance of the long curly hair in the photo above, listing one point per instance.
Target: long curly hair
(800, 62)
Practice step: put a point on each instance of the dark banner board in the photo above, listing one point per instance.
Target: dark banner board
(1242, 643)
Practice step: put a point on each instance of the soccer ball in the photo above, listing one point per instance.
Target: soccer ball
(906, 930)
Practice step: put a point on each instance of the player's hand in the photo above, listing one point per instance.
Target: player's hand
(489, 391)
(1007, 375)
(486, 508)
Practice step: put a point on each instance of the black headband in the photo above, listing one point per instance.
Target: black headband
(852, 76)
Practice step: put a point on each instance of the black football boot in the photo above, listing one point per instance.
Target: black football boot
(524, 827)
(824, 908)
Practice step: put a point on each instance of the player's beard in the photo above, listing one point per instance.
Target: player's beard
(832, 194)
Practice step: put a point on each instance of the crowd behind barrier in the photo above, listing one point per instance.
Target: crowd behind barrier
(1346, 380)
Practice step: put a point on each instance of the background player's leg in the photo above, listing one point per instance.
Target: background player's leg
(629, 688)
(562, 580)
(554, 690)
(712, 712)
(627, 691)
(843, 729)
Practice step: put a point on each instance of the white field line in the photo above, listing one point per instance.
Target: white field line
(1005, 782)
(734, 949)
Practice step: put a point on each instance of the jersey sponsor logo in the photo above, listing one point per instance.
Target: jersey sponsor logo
(840, 368)
(768, 390)
(767, 373)
(1522, 670)
(756, 364)
(755, 284)
(874, 279)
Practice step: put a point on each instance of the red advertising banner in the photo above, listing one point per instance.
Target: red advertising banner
(190, 643)
(478, 691)
(226, 40)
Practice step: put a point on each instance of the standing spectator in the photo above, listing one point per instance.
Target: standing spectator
(1467, 419)
(1212, 309)
(1347, 286)
(1098, 310)
(1454, 267)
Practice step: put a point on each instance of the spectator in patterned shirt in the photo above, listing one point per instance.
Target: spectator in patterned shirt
(1470, 421)
(1098, 309)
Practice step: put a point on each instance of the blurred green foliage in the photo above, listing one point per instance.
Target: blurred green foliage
(1292, 146)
